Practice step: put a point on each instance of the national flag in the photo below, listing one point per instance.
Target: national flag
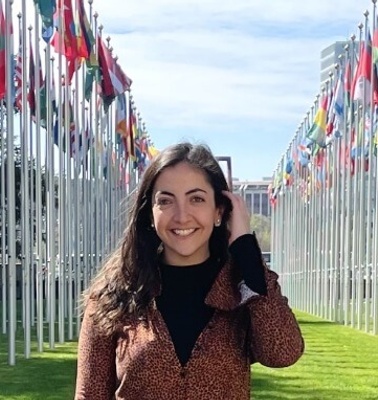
(92, 74)
(85, 47)
(121, 123)
(317, 132)
(84, 40)
(64, 40)
(46, 9)
(32, 81)
(152, 151)
(31, 92)
(347, 82)
(375, 44)
(114, 80)
(18, 77)
(337, 106)
(362, 80)
(131, 128)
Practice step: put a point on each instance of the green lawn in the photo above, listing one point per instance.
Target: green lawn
(339, 364)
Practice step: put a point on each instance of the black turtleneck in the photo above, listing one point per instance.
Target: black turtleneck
(182, 300)
(182, 303)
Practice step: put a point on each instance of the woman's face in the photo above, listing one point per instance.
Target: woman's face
(184, 214)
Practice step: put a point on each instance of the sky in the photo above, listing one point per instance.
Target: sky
(237, 75)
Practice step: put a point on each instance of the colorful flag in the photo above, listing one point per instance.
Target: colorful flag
(18, 77)
(375, 45)
(121, 115)
(32, 82)
(64, 40)
(46, 9)
(347, 82)
(362, 80)
(114, 80)
(317, 132)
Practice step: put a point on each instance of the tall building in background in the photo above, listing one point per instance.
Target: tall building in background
(329, 57)
(255, 194)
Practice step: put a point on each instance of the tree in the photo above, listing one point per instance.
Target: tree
(262, 226)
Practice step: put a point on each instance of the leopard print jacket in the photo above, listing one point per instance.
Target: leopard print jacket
(140, 363)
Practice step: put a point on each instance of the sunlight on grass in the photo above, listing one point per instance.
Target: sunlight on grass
(339, 363)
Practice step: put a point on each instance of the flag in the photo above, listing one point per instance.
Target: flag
(46, 9)
(18, 77)
(84, 40)
(64, 40)
(375, 45)
(85, 47)
(363, 80)
(317, 132)
(337, 106)
(114, 81)
(91, 75)
(131, 129)
(121, 123)
(347, 82)
(32, 83)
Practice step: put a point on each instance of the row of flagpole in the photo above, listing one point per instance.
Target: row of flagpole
(325, 194)
(72, 148)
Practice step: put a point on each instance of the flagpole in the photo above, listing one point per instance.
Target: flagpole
(27, 214)
(337, 220)
(40, 274)
(372, 309)
(370, 194)
(65, 294)
(11, 198)
(77, 202)
(4, 261)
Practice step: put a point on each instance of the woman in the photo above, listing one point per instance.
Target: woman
(186, 304)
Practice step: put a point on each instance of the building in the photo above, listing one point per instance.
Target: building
(328, 58)
(255, 194)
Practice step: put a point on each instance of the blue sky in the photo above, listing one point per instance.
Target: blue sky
(238, 75)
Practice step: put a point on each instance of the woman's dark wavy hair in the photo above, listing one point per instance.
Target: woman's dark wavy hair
(130, 278)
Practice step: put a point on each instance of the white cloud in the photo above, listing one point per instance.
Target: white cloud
(206, 66)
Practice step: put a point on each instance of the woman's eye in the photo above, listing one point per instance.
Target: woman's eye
(197, 199)
(163, 202)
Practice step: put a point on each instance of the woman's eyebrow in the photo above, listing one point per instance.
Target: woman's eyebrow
(191, 191)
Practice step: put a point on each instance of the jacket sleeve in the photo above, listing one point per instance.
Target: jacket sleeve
(96, 372)
(275, 339)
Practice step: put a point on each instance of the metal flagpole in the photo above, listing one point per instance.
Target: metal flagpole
(366, 289)
(41, 272)
(3, 215)
(51, 211)
(11, 195)
(27, 215)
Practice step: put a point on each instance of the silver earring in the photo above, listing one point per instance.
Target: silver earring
(218, 222)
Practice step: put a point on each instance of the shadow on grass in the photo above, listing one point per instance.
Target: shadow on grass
(315, 323)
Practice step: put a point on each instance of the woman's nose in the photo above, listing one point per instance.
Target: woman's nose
(182, 213)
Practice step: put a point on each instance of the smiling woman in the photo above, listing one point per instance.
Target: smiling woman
(186, 304)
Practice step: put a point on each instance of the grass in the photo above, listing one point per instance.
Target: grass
(339, 363)
(45, 376)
